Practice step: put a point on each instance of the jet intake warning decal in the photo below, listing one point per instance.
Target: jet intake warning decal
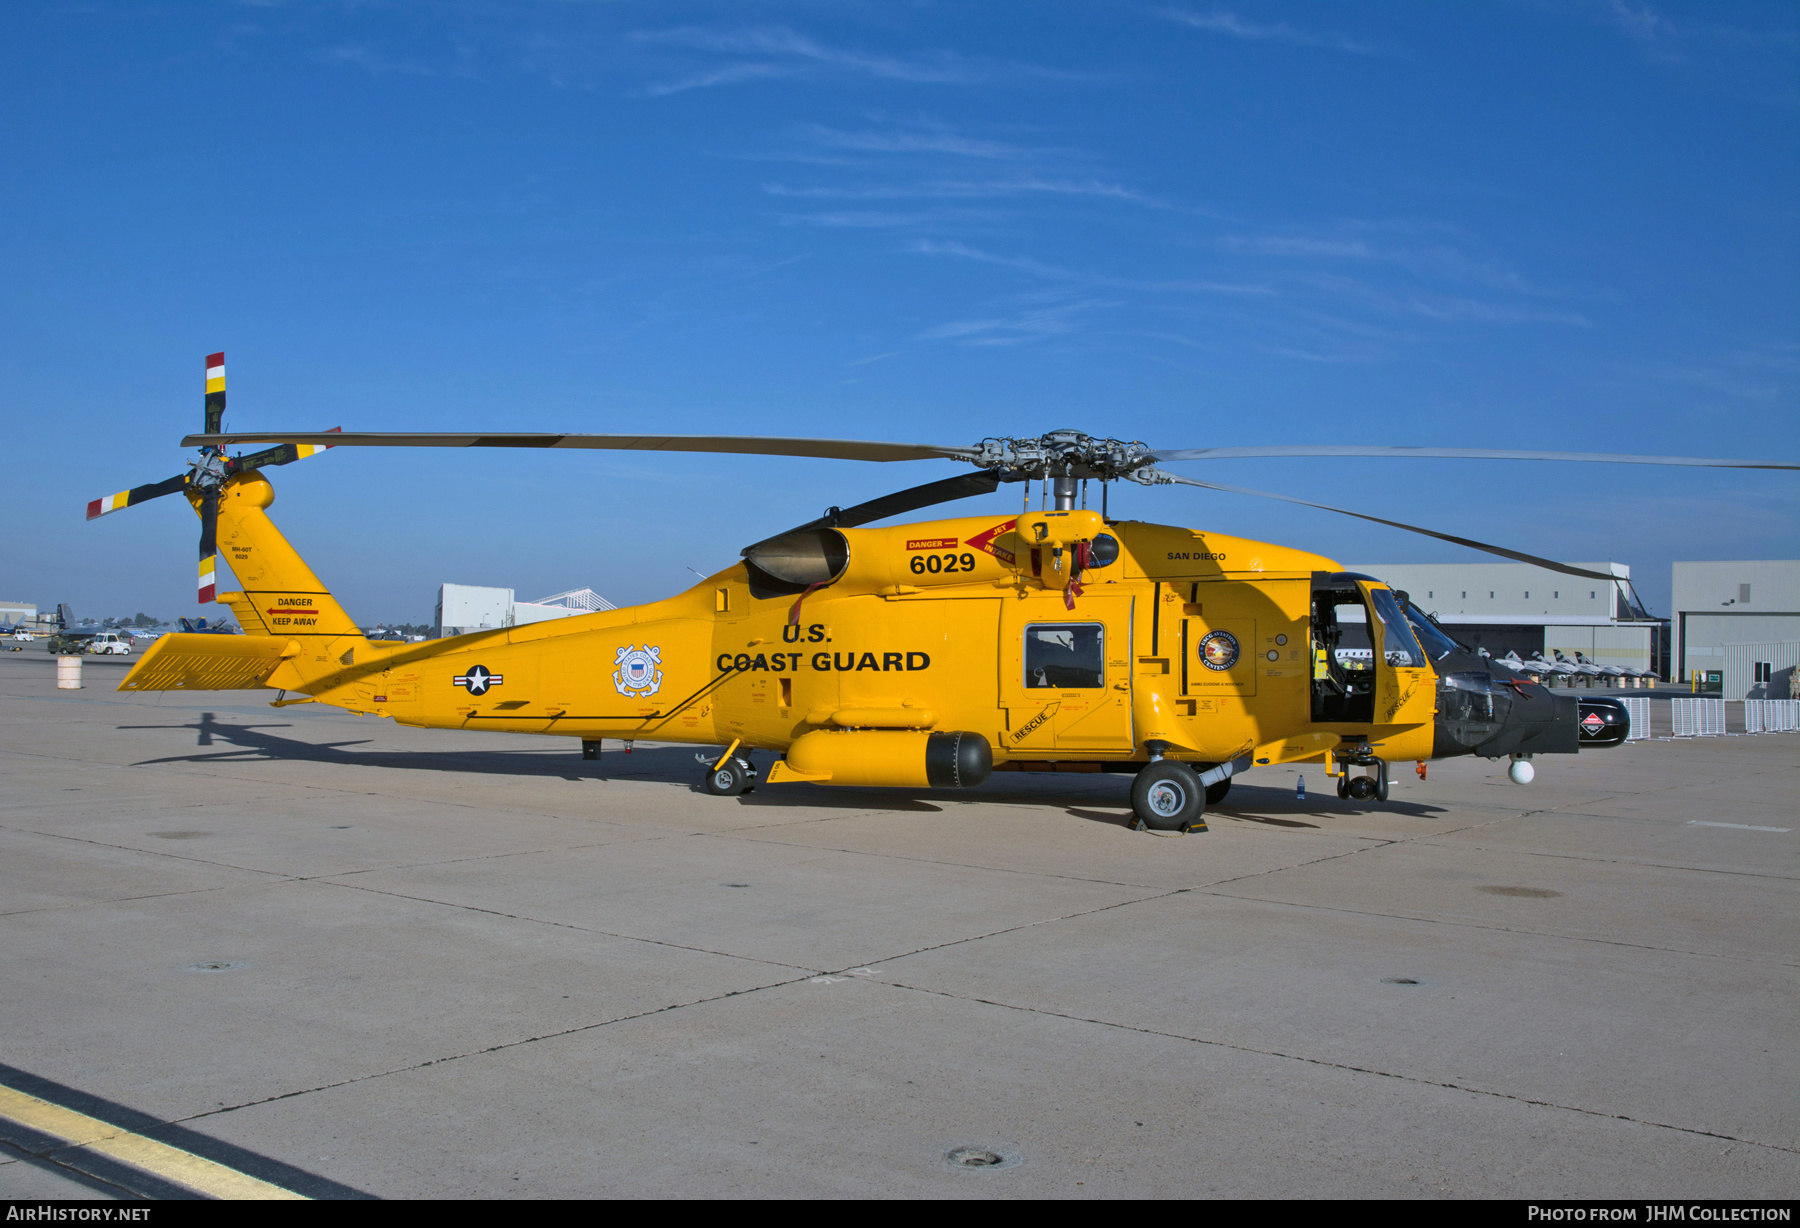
(639, 675)
(477, 680)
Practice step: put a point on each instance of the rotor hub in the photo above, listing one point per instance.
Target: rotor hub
(1062, 454)
(211, 470)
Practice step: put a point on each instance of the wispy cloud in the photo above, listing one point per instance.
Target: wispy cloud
(1456, 309)
(1284, 245)
(1018, 328)
(1639, 21)
(1223, 21)
(1428, 260)
(784, 43)
(728, 75)
(1762, 373)
(1757, 62)
(865, 219)
(932, 140)
(952, 189)
(1038, 268)
(1282, 351)
(370, 60)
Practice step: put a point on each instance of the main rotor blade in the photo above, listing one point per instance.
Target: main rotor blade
(754, 445)
(963, 486)
(137, 494)
(1502, 551)
(1346, 450)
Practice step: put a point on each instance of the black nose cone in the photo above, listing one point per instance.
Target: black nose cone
(1603, 722)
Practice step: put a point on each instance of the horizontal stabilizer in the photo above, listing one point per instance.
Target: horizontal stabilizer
(209, 663)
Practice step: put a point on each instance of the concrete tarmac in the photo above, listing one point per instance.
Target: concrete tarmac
(354, 958)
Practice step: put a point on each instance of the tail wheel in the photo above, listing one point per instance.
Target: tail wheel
(731, 778)
(1168, 796)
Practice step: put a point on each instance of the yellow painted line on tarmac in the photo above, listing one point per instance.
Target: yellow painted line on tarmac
(159, 1159)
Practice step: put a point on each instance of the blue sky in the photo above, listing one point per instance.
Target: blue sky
(1541, 224)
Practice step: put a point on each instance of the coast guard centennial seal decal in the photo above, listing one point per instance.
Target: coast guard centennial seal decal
(639, 675)
(1219, 651)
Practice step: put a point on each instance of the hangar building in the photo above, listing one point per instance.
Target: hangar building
(462, 608)
(1742, 621)
(1506, 607)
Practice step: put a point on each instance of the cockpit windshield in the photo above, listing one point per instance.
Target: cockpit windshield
(1398, 647)
(1437, 644)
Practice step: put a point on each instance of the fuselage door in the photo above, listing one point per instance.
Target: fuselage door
(1065, 680)
(1403, 678)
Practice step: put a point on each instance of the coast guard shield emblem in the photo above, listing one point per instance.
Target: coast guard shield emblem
(639, 675)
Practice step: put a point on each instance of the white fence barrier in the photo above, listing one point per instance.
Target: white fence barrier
(1639, 712)
(1771, 715)
(1697, 718)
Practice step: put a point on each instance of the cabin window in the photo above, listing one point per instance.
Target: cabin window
(1065, 655)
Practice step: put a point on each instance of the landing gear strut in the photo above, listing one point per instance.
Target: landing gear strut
(730, 774)
(1362, 788)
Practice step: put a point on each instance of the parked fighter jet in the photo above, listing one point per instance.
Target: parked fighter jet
(1612, 673)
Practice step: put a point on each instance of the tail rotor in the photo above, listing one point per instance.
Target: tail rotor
(206, 478)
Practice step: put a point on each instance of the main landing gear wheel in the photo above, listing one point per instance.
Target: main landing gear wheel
(1168, 796)
(730, 778)
(1216, 793)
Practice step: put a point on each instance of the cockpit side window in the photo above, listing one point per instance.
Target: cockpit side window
(1398, 647)
(1437, 644)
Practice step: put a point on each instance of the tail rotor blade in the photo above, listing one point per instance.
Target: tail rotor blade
(283, 453)
(137, 494)
(215, 392)
(209, 543)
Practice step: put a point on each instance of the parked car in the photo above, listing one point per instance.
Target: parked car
(110, 644)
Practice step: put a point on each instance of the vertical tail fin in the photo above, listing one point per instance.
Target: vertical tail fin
(281, 596)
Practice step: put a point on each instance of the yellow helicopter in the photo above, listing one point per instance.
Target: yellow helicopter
(925, 655)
